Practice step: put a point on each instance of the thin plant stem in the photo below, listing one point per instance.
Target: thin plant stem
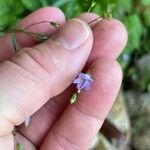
(20, 30)
(97, 19)
(14, 42)
(35, 24)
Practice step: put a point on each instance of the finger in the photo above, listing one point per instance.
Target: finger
(71, 131)
(55, 106)
(46, 117)
(43, 14)
(41, 72)
(110, 37)
(6, 142)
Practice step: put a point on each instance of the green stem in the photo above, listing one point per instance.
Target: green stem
(36, 24)
(23, 31)
(97, 19)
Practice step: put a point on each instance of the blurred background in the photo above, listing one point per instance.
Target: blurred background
(128, 124)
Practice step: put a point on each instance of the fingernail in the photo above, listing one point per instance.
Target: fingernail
(73, 34)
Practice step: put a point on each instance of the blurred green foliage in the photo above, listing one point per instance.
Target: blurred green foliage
(135, 14)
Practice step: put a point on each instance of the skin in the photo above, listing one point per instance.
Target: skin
(41, 78)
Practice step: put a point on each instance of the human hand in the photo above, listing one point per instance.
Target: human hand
(32, 82)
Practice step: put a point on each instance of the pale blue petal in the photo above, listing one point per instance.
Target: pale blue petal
(83, 81)
(76, 81)
(80, 85)
(87, 85)
(81, 75)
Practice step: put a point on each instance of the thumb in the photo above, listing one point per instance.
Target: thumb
(35, 74)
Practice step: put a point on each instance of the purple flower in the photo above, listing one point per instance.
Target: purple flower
(83, 81)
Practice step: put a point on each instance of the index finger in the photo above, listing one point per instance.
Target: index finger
(44, 14)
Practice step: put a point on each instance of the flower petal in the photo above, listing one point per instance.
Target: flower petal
(76, 81)
(87, 85)
(81, 75)
(83, 81)
(80, 85)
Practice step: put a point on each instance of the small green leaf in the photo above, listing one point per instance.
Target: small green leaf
(19, 146)
(135, 30)
(14, 41)
(73, 98)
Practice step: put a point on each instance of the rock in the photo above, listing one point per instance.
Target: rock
(115, 132)
(143, 71)
(143, 65)
(141, 141)
(118, 115)
(102, 143)
(138, 105)
(132, 103)
(95, 142)
(117, 126)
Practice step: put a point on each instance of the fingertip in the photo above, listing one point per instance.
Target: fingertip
(118, 70)
(45, 13)
(51, 14)
(120, 28)
(53, 11)
(111, 37)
